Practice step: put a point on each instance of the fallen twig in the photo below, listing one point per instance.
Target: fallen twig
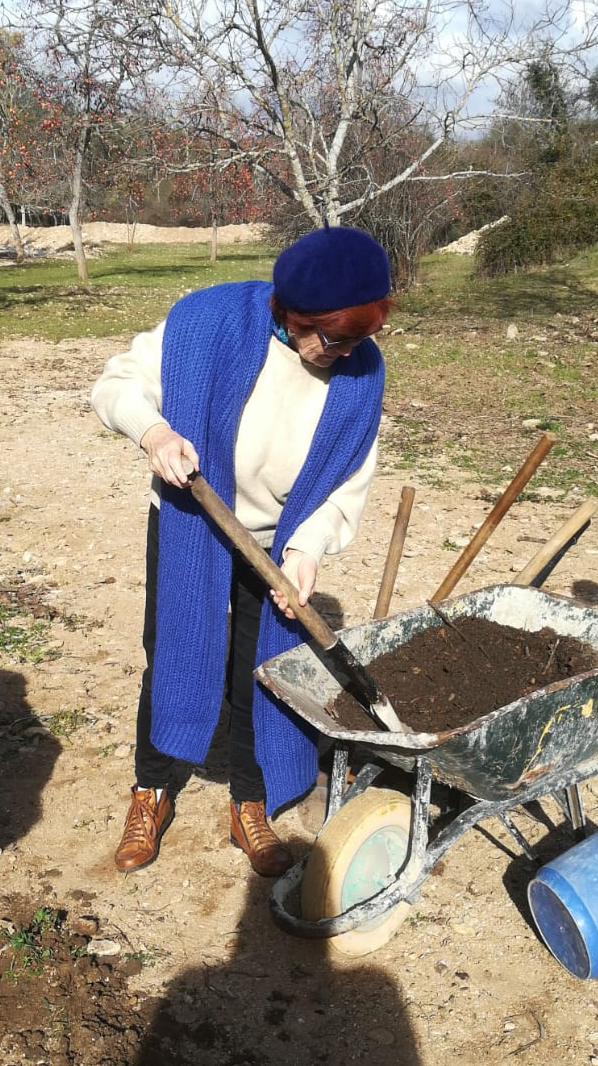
(550, 661)
(535, 1040)
(449, 622)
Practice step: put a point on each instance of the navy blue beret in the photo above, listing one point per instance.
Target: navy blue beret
(331, 268)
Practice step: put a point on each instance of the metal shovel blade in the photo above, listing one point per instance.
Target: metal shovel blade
(386, 716)
(378, 706)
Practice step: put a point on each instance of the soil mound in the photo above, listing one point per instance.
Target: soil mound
(58, 240)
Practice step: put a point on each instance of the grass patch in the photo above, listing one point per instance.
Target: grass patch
(466, 390)
(448, 283)
(148, 957)
(25, 641)
(129, 290)
(27, 943)
(64, 723)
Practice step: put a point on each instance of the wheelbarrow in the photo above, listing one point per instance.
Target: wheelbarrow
(378, 845)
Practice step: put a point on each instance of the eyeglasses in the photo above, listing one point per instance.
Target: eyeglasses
(343, 342)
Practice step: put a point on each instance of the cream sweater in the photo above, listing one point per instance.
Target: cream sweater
(273, 439)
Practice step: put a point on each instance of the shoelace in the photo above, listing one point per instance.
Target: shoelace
(255, 826)
(137, 830)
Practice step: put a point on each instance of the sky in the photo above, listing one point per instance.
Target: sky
(577, 19)
(444, 57)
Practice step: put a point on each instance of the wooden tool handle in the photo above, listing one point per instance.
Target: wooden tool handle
(395, 550)
(558, 540)
(498, 512)
(265, 566)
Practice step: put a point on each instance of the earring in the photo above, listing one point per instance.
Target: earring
(283, 335)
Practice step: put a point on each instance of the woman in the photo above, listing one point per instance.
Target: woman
(276, 391)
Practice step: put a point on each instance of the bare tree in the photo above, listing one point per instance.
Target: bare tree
(13, 126)
(92, 58)
(301, 74)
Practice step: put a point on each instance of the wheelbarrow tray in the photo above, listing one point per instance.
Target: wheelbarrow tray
(550, 732)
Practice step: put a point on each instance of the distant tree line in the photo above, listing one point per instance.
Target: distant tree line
(205, 112)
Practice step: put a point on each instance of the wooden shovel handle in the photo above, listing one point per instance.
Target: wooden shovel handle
(531, 464)
(265, 566)
(395, 551)
(547, 552)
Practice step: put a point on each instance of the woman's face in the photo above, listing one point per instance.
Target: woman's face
(316, 347)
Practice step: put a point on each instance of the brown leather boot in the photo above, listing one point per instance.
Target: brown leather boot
(145, 823)
(250, 831)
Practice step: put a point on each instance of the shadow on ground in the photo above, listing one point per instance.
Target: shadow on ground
(27, 755)
(278, 999)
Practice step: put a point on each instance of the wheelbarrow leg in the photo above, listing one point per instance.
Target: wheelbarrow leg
(338, 790)
(570, 801)
(576, 811)
(518, 837)
(421, 815)
(338, 778)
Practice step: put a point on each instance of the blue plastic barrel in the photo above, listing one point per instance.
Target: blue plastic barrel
(563, 898)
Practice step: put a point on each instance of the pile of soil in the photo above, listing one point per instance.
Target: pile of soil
(72, 1004)
(57, 241)
(450, 675)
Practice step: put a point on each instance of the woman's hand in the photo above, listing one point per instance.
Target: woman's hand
(301, 569)
(165, 450)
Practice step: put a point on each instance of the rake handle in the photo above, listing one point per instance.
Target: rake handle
(395, 551)
(557, 541)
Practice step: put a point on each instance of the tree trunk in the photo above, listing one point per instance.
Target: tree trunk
(75, 206)
(214, 242)
(80, 259)
(131, 228)
(6, 206)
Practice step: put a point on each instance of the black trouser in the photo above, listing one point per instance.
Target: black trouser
(152, 767)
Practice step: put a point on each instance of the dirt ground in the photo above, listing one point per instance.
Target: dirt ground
(182, 962)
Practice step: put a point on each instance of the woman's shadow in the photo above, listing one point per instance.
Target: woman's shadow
(27, 754)
(279, 999)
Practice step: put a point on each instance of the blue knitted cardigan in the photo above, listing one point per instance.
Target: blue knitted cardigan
(215, 344)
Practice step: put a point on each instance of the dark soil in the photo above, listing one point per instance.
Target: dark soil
(71, 1005)
(450, 675)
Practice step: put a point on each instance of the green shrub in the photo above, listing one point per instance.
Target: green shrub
(557, 217)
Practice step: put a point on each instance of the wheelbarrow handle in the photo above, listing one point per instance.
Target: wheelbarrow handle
(261, 561)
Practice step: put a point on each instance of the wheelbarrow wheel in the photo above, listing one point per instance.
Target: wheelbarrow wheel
(357, 854)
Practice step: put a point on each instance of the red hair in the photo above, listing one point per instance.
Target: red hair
(359, 321)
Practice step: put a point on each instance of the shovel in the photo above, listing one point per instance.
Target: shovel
(363, 686)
